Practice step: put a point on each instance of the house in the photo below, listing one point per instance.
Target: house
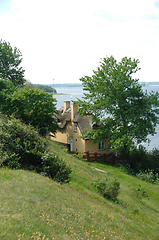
(71, 127)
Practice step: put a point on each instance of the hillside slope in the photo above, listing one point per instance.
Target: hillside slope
(35, 207)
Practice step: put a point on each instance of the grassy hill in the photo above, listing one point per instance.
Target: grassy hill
(36, 207)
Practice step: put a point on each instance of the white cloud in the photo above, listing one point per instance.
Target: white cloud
(65, 40)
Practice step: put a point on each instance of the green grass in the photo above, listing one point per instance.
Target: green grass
(35, 207)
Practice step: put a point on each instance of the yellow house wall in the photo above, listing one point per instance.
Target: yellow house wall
(63, 134)
(93, 147)
(60, 137)
(68, 132)
(78, 142)
(79, 145)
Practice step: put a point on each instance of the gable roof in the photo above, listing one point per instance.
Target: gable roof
(64, 117)
(84, 122)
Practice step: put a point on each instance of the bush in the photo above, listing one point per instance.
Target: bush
(148, 176)
(109, 189)
(55, 167)
(79, 156)
(140, 192)
(154, 158)
(139, 159)
(22, 148)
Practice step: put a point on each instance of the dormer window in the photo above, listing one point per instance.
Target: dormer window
(75, 127)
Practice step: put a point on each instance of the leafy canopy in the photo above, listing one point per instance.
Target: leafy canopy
(32, 106)
(123, 112)
(10, 60)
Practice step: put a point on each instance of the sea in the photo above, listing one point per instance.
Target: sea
(74, 93)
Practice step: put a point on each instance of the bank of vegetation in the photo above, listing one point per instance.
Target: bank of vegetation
(47, 193)
(36, 207)
(42, 87)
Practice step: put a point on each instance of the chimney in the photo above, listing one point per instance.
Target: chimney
(74, 109)
(66, 105)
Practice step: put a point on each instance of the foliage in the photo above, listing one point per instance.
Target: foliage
(55, 167)
(140, 160)
(148, 175)
(123, 113)
(109, 189)
(140, 191)
(20, 145)
(154, 158)
(33, 107)
(22, 148)
(79, 156)
(6, 88)
(137, 159)
(10, 64)
(45, 88)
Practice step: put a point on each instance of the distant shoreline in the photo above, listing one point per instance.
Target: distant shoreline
(61, 94)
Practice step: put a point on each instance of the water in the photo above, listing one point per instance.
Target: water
(70, 94)
(77, 92)
(154, 140)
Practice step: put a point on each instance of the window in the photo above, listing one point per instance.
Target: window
(101, 145)
(75, 127)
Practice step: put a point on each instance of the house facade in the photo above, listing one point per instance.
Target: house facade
(71, 127)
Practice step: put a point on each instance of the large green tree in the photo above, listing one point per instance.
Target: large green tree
(123, 112)
(10, 61)
(32, 106)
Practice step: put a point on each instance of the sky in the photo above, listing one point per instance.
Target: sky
(66, 40)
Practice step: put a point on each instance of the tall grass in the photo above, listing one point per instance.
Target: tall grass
(36, 207)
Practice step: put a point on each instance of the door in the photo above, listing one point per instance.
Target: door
(71, 145)
(70, 142)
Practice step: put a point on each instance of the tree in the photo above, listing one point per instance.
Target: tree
(33, 107)
(6, 88)
(123, 113)
(10, 60)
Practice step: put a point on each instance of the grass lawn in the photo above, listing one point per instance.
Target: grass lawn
(36, 207)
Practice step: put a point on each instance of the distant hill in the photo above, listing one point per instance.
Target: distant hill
(43, 87)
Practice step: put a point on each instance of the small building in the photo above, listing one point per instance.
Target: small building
(71, 127)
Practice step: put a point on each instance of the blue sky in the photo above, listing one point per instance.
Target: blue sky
(65, 40)
(4, 6)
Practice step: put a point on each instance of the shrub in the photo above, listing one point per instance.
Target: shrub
(55, 167)
(22, 148)
(20, 145)
(139, 159)
(148, 176)
(140, 192)
(108, 188)
(79, 156)
(154, 158)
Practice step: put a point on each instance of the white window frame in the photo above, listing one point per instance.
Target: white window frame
(100, 145)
